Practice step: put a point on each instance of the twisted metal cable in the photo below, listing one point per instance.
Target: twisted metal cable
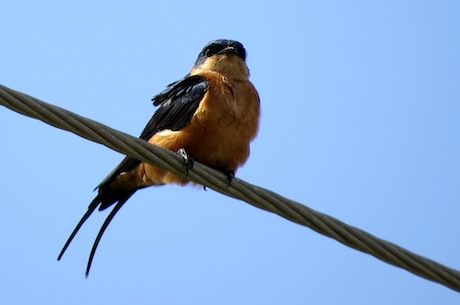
(239, 189)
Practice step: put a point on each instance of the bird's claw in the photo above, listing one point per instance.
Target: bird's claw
(188, 162)
(230, 175)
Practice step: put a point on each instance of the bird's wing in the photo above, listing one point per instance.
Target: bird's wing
(177, 104)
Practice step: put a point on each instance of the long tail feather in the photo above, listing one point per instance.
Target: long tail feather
(104, 226)
(88, 213)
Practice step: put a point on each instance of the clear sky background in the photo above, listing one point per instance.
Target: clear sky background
(360, 120)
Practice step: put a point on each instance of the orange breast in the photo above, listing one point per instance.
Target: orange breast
(219, 133)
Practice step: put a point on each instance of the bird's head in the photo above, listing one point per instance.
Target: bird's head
(223, 56)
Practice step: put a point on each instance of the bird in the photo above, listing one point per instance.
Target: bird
(210, 116)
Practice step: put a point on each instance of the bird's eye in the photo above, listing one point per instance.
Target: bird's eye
(212, 49)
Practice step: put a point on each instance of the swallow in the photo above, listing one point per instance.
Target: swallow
(210, 116)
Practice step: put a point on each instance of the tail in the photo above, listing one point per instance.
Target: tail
(105, 198)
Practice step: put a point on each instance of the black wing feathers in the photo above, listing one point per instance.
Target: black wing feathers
(178, 102)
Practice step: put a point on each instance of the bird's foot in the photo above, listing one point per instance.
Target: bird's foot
(230, 175)
(188, 162)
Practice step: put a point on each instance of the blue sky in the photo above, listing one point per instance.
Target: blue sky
(360, 120)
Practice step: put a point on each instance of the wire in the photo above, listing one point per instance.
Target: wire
(239, 189)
